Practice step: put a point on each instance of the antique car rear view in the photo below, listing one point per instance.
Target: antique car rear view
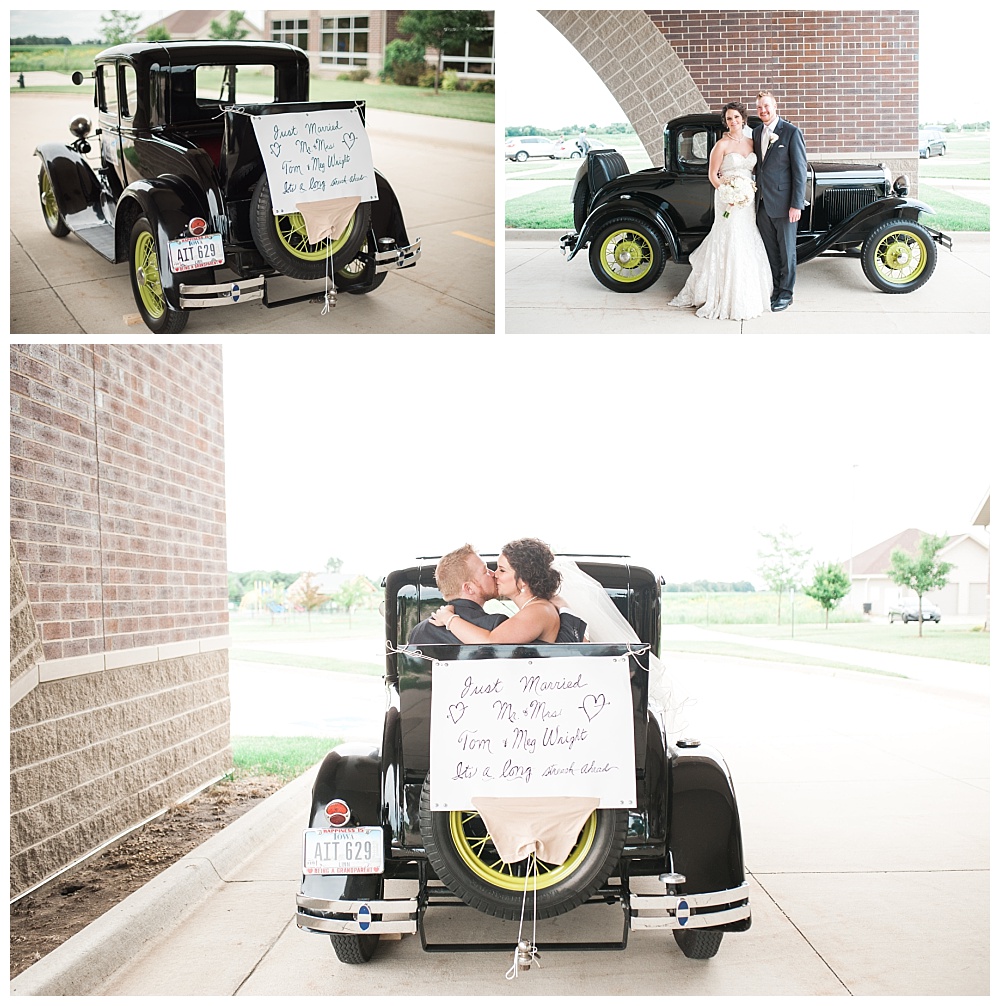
(210, 157)
(490, 750)
(633, 222)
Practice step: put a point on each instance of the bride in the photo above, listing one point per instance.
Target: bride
(730, 275)
(529, 575)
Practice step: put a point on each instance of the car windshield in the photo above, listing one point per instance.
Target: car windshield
(226, 84)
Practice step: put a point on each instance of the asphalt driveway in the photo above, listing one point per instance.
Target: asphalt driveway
(442, 171)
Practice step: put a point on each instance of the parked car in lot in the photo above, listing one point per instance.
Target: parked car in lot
(910, 611)
(373, 816)
(178, 187)
(931, 143)
(568, 148)
(520, 148)
(633, 222)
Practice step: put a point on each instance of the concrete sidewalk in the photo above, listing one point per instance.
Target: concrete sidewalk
(545, 293)
(858, 793)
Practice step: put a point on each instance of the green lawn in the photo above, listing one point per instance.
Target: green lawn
(285, 757)
(942, 641)
(953, 212)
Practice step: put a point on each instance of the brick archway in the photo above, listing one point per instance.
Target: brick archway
(637, 65)
(847, 78)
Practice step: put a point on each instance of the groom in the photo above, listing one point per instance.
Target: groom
(781, 194)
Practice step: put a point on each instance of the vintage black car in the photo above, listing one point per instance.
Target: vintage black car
(633, 222)
(178, 188)
(374, 804)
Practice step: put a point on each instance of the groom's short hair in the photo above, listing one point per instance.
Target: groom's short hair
(453, 570)
(765, 93)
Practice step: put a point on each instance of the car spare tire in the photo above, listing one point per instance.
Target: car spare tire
(462, 854)
(283, 241)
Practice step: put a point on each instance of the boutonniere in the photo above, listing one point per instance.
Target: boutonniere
(772, 138)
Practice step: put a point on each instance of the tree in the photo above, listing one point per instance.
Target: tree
(350, 595)
(830, 586)
(443, 30)
(403, 62)
(158, 34)
(333, 564)
(782, 564)
(230, 29)
(309, 596)
(118, 26)
(921, 573)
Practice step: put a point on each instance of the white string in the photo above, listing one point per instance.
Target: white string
(531, 949)
(330, 296)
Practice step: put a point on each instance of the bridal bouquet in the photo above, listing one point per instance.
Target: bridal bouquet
(737, 191)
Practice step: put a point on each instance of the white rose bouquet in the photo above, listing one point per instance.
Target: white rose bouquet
(737, 191)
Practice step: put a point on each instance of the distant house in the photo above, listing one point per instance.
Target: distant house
(189, 24)
(966, 592)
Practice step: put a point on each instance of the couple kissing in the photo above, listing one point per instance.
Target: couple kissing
(525, 575)
(746, 265)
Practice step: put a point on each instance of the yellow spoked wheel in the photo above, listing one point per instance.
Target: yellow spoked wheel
(147, 285)
(627, 255)
(284, 241)
(899, 256)
(463, 857)
(50, 206)
(473, 844)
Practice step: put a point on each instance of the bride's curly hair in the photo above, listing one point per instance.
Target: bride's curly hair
(531, 560)
(739, 106)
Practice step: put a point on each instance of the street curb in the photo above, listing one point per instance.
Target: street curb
(85, 961)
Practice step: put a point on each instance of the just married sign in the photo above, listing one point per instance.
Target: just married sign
(313, 156)
(559, 726)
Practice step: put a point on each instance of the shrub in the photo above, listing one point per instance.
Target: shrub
(404, 62)
(483, 86)
(450, 81)
(359, 74)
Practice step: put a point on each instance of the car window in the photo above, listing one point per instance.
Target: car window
(692, 149)
(107, 89)
(130, 90)
(224, 85)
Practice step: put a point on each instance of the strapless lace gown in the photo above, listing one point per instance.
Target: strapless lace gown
(730, 275)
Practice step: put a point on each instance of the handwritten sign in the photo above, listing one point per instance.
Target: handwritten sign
(559, 726)
(310, 156)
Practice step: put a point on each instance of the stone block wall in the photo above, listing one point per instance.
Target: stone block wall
(119, 620)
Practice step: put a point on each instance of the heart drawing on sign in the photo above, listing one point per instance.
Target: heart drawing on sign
(456, 712)
(592, 705)
(349, 140)
(275, 149)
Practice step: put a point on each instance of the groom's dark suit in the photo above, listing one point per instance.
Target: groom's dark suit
(781, 184)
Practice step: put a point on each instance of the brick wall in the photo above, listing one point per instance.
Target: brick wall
(119, 621)
(847, 78)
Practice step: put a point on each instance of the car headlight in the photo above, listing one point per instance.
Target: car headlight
(901, 186)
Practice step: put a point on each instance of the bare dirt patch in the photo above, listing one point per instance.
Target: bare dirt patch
(47, 918)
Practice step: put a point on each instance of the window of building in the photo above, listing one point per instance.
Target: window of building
(294, 32)
(471, 57)
(344, 41)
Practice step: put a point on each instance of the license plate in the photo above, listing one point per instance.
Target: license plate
(340, 851)
(196, 253)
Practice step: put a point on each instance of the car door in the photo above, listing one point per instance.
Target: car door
(108, 117)
(692, 195)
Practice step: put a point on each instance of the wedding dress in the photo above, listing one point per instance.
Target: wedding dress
(586, 598)
(730, 275)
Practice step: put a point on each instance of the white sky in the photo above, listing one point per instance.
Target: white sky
(678, 453)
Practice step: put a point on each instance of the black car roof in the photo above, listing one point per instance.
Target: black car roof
(201, 50)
